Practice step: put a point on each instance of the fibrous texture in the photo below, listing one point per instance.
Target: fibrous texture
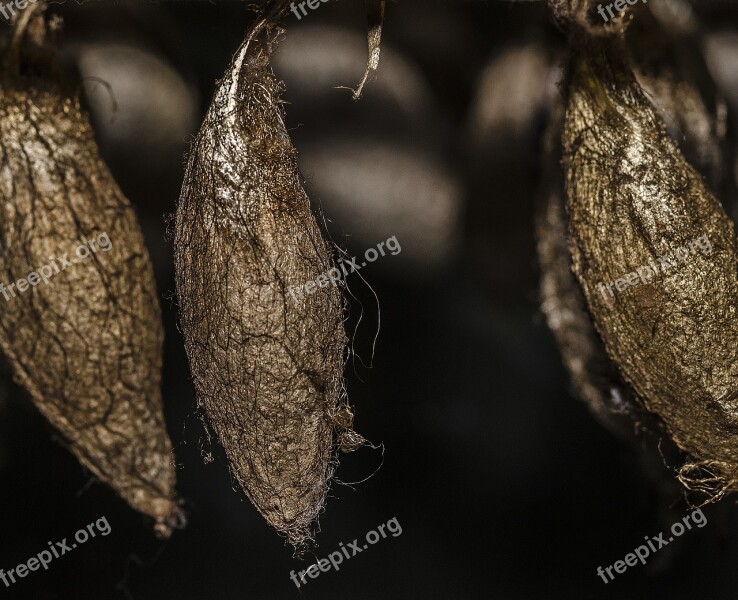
(632, 199)
(667, 65)
(268, 366)
(86, 341)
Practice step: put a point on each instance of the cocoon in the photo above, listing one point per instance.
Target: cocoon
(86, 342)
(631, 197)
(267, 366)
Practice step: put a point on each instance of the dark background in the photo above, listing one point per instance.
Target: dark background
(504, 485)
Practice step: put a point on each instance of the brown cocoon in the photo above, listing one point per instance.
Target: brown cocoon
(669, 68)
(632, 197)
(87, 342)
(267, 363)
